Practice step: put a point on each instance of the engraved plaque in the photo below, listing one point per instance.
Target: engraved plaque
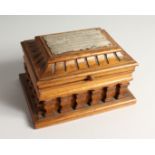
(76, 40)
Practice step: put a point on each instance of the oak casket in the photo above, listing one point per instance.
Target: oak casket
(74, 74)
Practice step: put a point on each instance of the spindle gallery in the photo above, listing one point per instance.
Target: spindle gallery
(74, 74)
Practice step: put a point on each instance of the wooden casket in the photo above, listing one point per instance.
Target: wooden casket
(74, 74)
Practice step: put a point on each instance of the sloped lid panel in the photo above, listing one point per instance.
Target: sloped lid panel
(76, 52)
(86, 63)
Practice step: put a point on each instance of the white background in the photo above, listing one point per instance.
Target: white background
(136, 34)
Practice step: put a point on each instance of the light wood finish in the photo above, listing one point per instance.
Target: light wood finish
(73, 84)
(74, 114)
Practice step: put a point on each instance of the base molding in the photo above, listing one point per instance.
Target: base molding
(97, 108)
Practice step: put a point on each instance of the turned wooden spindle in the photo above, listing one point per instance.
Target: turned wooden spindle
(50, 107)
(96, 96)
(110, 93)
(123, 90)
(66, 104)
(82, 99)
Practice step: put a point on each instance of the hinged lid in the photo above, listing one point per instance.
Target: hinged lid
(73, 55)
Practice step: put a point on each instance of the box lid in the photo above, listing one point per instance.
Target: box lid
(74, 55)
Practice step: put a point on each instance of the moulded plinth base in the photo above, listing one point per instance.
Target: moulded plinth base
(38, 123)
